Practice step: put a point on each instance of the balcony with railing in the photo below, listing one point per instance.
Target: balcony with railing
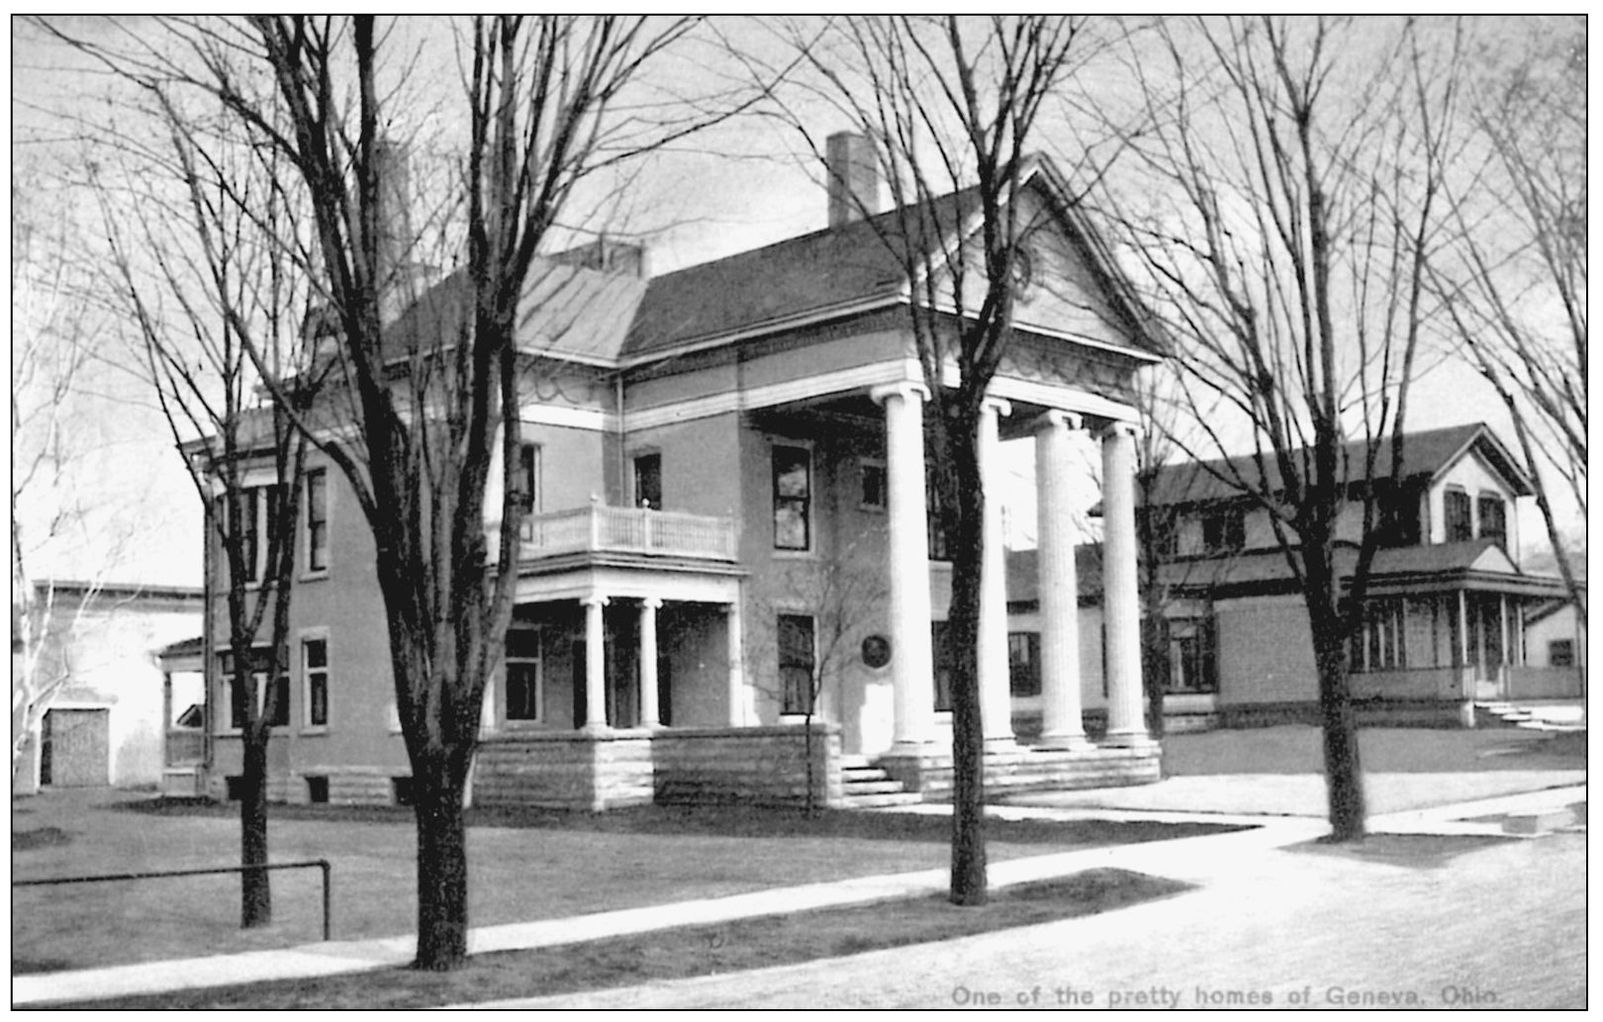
(628, 530)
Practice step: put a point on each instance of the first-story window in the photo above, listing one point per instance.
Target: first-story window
(314, 668)
(524, 667)
(1379, 644)
(1561, 653)
(793, 497)
(796, 662)
(1024, 663)
(873, 480)
(1193, 666)
(235, 698)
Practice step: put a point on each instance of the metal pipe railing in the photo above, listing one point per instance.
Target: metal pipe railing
(322, 864)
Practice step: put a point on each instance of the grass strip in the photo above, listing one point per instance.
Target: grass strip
(684, 951)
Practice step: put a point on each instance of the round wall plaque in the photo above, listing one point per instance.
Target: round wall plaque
(876, 651)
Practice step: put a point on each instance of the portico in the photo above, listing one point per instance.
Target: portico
(907, 572)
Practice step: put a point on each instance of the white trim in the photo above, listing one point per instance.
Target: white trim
(904, 370)
(594, 419)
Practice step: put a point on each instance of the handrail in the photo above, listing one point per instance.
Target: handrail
(322, 864)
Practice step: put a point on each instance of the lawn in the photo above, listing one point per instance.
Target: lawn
(524, 865)
(687, 951)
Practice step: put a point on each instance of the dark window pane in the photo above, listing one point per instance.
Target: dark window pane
(1455, 504)
(648, 480)
(796, 662)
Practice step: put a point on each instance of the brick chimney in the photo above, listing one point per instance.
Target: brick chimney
(853, 177)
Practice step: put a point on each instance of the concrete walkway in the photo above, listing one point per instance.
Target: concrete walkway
(1204, 859)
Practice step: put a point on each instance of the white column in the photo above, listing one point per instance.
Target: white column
(1058, 584)
(1120, 595)
(649, 711)
(996, 698)
(912, 661)
(595, 664)
(737, 672)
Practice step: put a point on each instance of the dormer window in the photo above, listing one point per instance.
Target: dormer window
(1456, 514)
(1494, 523)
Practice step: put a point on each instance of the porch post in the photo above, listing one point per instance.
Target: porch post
(1058, 586)
(1121, 598)
(996, 697)
(737, 673)
(912, 659)
(648, 663)
(595, 663)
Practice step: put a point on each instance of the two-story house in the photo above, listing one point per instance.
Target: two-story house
(706, 454)
(1445, 611)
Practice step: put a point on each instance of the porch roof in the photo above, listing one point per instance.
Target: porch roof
(1474, 565)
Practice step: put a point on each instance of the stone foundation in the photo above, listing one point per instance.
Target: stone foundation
(1027, 769)
(1432, 713)
(565, 770)
(763, 765)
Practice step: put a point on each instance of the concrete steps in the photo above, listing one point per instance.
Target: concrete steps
(1505, 714)
(866, 786)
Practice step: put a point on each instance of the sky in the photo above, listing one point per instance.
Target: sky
(737, 187)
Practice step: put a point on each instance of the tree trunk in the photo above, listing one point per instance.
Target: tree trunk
(255, 887)
(968, 882)
(442, 867)
(1344, 781)
(1154, 666)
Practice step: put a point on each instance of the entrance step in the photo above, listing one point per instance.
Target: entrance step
(865, 786)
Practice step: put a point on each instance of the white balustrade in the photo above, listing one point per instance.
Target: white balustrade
(598, 528)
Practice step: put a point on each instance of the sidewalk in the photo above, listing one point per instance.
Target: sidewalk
(1195, 859)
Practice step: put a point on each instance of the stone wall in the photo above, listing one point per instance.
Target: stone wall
(565, 770)
(763, 765)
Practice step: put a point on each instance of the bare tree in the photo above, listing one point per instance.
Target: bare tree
(200, 266)
(1290, 181)
(837, 597)
(951, 106)
(1511, 276)
(53, 358)
(550, 103)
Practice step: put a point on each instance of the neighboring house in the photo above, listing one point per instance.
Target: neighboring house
(105, 723)
(1555, 638)
(700, 448)
(1447, 608)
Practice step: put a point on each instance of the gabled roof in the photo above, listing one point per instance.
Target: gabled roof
(1426, 453)
(843, 269)
(838, 267)
(565, 311)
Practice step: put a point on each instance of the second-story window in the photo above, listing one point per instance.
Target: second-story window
(317, 520)
(1456, 516)
(1224, 530)
(648, 481)
(250, 532)
(527, 483)
(793, 498)
(1494, 525)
